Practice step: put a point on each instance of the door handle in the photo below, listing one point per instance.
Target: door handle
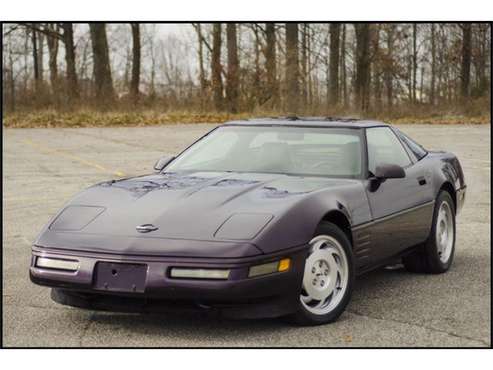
(146, 228)
(421, 181)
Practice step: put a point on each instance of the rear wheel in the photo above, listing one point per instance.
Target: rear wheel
(328, 277)
(437, 253)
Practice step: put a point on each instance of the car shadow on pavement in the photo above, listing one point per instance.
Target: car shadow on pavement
(182, 330)
(201, 323)
(199, 320)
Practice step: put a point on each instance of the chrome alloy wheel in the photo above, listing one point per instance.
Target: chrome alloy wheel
(444, 232)
(325, 279)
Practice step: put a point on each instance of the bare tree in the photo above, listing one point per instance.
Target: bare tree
(37, 77)
(466, 60)
(362, 81)
(217, 82)
(68, 40)
(433, 65)
(8, 81)
(377, 67)
(310, 65)
(334, 63)
(343, 67)
(257, 45)
(232, 81)
(421, 84)
(135, 81)
(292, 69)
(270, 64)
(484, 48)
(414, 63)
(52, 43)
(202, 78)
(101, 63)
(484, 53)
(304, 64)
(40, 50)
(152, 57)
(389, 64)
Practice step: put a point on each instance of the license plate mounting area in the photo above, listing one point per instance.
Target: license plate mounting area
(120, 277)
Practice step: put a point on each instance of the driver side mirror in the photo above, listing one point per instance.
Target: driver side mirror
(163, 162)
(389, 171)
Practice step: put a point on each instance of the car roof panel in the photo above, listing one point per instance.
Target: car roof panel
(330, 122)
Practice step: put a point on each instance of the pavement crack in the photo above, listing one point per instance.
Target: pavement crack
(357, 313)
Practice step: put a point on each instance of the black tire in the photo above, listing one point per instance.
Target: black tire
(426, 258)
(303, 317)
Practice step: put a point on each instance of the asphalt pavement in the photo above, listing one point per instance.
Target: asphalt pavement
(43, 168)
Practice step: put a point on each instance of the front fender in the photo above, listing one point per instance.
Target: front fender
(297, 225)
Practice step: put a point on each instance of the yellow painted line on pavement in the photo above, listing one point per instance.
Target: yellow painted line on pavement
(46, 150)
(28, 243)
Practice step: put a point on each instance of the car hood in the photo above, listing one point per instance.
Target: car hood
(213, 207)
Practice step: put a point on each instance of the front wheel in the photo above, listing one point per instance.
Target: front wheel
(437, 254)
(328, 277)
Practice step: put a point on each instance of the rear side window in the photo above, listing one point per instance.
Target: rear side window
(385, 148)
(418, 151)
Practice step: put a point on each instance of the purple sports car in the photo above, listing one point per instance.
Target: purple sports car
(258, 218)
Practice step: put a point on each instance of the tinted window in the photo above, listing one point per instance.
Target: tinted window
(418, 151)
(333, 152)
(384, 148)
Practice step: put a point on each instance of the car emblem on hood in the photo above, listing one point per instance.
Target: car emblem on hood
(145, 228)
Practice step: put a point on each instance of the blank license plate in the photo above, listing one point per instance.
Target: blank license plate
(120, 277)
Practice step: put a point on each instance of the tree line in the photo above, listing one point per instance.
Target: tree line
(288, 68)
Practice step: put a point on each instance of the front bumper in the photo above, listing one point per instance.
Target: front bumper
(238, 296)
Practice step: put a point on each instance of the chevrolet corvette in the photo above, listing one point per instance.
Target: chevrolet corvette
(258, 218)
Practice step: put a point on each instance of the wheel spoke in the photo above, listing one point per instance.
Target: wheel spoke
(339, 270)
(316, 246)
(305, 298)
(320, 303)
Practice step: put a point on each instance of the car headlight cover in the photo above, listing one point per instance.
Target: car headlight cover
(75, 218)
(270, 268)
(198, 273)
(57, 264)
(243, 226)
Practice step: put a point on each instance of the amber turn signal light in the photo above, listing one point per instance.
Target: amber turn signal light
(284, 264)
(270, 268)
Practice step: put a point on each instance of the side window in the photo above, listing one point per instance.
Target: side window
(418, 151)
(384, 148)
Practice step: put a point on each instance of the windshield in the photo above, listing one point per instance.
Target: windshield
(334, 152)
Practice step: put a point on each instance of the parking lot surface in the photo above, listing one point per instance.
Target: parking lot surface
(43, 168)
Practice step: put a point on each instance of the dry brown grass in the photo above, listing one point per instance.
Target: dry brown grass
(443, 120)
(92, 118)
(88, 118)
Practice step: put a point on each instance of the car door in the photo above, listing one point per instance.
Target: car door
(401, 208)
